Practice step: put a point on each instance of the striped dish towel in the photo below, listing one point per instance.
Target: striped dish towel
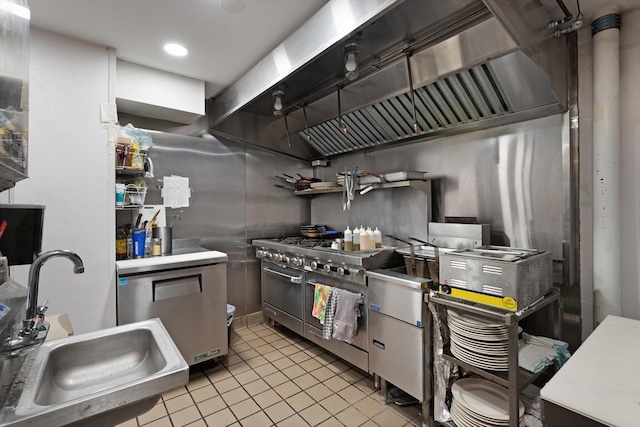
(329, 312)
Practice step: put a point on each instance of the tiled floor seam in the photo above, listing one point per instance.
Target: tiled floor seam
(335, 370)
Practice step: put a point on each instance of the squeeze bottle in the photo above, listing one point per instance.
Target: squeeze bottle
(348, 239)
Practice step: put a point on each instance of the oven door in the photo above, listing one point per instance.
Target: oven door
(360, 340)
(283, 295)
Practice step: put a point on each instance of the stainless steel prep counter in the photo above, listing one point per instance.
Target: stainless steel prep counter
(187, 291)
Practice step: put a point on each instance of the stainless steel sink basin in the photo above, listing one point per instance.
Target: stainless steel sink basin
(102, 378)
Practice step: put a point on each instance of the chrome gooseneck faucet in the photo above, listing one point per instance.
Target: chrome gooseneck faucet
(34, 276)
(34, 329)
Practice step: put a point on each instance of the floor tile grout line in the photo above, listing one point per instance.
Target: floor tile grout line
(301, 347)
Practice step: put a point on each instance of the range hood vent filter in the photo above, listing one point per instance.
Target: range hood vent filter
(466, 97)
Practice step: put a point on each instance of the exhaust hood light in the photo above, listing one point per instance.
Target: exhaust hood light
(175, 49)
(351, 49)
(277, 102)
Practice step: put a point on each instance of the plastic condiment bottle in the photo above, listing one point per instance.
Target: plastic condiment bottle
(348, 239)
(372, 238)
(356, 239)
(364, 239)
(378, 237)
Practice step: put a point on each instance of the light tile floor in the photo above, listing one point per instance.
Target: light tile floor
(273, 377)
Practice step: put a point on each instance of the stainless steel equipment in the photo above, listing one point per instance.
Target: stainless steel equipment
(508, 67)
(290, 269)
(459, 236)
(399, 332)
(188, 292)
(518, 277)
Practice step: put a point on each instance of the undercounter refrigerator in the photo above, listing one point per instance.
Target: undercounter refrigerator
(187, 291)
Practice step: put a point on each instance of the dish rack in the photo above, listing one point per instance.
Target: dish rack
(134, 195)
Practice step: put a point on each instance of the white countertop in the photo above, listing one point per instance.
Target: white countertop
(601, 380)
(171, 261)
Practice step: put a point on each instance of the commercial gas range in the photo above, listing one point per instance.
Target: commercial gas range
(292, 266)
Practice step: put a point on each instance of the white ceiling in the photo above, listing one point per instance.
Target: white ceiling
(223, 45)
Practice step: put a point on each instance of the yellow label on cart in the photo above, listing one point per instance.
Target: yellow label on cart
(505, 303)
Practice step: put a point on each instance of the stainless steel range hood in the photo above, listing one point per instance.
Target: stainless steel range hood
(474, 64)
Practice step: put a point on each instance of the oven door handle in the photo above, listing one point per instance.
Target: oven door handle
(292, 279)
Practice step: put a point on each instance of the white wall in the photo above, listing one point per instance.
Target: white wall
(629, 172)
(69, 173)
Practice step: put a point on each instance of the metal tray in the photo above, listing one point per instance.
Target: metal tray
(392, 177)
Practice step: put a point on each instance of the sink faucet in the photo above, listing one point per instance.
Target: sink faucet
(34, 328)
(34, 277)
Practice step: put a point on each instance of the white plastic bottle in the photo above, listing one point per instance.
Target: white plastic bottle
(364, 239)
(348, 239)
(378, 237)
(356, 239)
(372, 238)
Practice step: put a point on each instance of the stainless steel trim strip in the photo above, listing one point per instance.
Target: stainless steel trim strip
(292, 279)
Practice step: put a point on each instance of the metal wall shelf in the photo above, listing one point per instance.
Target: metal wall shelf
(422, 185)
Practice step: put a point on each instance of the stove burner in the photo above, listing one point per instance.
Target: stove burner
(291, 240)
(305, 242)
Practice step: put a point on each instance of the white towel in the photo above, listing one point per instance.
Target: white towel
(534, 358)
(536, 353)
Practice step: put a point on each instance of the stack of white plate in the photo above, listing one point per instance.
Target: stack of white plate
(479, 341)
(481, 403)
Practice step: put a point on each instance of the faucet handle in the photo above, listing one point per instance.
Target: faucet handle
(40, 310)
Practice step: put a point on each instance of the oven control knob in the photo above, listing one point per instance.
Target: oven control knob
(260, 253)
(314, 265)
(286, 260)
(277, 257)
(268, 255)
(298, 262)
(327, 268)
(342, 271)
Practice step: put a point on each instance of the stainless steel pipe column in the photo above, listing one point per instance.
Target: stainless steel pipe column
(606, 164)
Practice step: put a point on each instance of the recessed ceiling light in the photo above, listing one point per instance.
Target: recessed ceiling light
(16, 9)
(175, 49)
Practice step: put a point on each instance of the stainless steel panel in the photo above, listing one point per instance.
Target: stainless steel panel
(470, 70)
(270, 212)
(525, 280)
(354, 355)
(398, 211)
(332, 23)
(233, 201)
(216, 212)
(178, 287)
(283, 318)
(508, 177)
(283, 288)
(396, 353)
(459, 236)
(397, 295)
(196, 322)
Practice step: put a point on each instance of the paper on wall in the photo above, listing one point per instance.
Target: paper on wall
(175, 191)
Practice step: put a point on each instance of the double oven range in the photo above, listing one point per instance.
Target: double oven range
(292, 266)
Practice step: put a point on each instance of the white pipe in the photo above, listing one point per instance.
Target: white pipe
(606, 171)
